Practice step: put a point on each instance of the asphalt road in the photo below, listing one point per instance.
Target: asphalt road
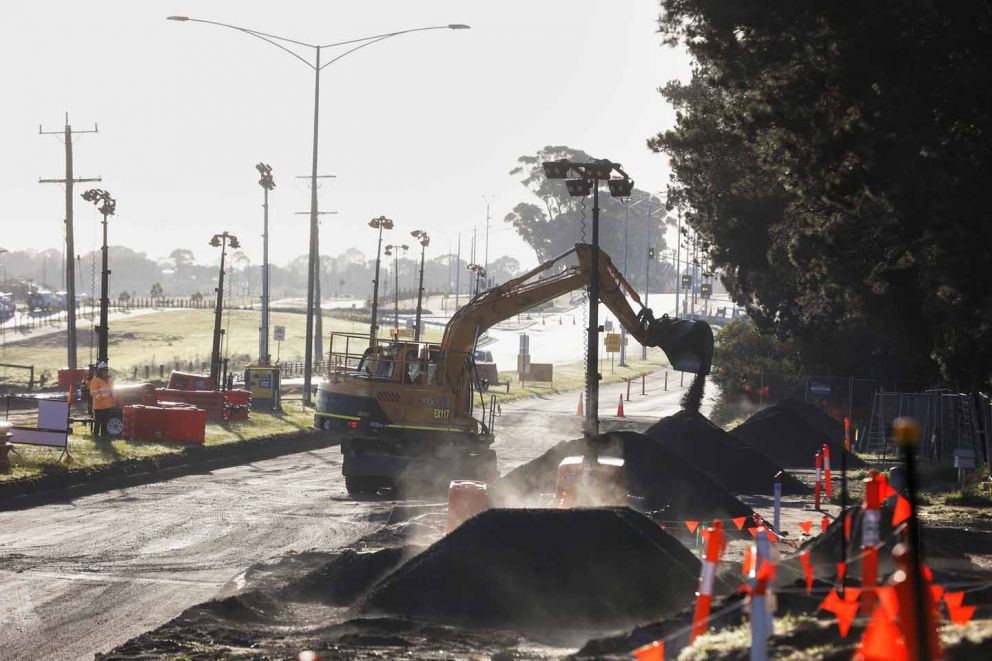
(81, 577)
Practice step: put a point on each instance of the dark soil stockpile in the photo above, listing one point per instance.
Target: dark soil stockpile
(572, 568)
(791, 433)
(660, 481)
(732, 463)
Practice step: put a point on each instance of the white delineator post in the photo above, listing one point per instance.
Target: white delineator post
(762, 598)
(707, 572)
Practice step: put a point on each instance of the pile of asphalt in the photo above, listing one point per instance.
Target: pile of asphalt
(791, 433)
(732, 463)
(544, 568)
(660, 481)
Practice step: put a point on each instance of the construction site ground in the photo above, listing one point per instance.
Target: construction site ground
(83, 576)
(135, 572)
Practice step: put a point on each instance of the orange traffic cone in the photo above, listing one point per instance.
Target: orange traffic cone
(578, 410)
(620, 407)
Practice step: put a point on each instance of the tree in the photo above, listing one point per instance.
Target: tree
(560, 221)
(834, 158)
(156, 291)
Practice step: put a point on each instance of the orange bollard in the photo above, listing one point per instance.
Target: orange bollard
(578, 410)
(870, 540)
(819, 480)
(847, 434)
(620, 408)
(826, 471)
(908, 625)
(824, 523)
(707, 572)
(466, 498)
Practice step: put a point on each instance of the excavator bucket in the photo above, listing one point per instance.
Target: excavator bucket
(688, 344)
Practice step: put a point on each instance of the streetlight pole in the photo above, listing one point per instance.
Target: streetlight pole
(591, 174)
(267, 184)
(284, 44)
(425, 241)
(380, 223)
(107, 206)
(222, 240)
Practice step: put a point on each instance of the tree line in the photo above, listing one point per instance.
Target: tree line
(834, 159)
(137, 275)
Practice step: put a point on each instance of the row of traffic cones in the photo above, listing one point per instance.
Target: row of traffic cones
(580, 411)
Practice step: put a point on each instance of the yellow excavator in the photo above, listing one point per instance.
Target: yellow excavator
(406, 411)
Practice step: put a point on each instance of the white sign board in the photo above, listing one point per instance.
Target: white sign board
(279, 334)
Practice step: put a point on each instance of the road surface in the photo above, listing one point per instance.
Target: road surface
(82, 577)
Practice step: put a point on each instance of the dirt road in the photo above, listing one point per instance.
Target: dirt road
(84, 576)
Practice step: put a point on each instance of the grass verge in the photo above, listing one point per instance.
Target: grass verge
(88, 453)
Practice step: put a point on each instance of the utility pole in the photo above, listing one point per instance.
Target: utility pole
(485, 257)
(458, 272)
(70, 246)
(315, 317)
(475, 290)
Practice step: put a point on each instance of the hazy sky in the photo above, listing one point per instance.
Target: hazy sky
(418, 127)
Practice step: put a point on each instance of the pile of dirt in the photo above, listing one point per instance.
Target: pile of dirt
(732, 463)
(524, 568)
(659, 480)
(791, 433)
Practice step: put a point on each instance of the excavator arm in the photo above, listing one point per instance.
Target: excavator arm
(688, 344)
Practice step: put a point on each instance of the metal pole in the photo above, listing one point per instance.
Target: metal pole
(458, 272)
(374, 329)
(396, 291)
(70, 251)
(592, 346)
(263, 346)
(647, 279)
(308, 351)
(420, 293)
(104, 298)
(678, 263)
(486, 256)
(623, 329)
(215, 360)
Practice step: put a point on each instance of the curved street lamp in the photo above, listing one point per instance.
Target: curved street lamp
(282, 44)
(422, 237)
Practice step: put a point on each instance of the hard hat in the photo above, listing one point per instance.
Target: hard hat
(102, 365)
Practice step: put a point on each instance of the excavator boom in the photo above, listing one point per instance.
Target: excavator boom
(688, 344)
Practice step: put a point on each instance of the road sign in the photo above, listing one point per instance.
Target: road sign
(612, 342)
(279, 333)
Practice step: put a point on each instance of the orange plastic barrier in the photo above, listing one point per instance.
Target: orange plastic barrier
(466, 498)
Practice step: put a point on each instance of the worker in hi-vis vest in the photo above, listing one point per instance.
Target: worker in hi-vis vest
(102, 395)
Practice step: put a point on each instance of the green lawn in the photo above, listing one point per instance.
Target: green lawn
(88, 453)
(167, 337)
